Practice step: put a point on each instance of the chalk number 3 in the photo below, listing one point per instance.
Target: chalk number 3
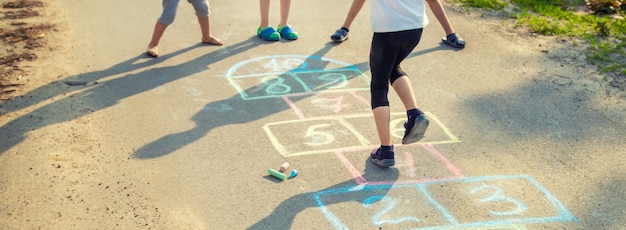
(498, 196)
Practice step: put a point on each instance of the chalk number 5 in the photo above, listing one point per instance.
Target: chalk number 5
(319, 137)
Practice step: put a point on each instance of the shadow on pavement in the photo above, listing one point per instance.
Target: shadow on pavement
(240, 111)
(243, 111)
(110, 92)
(283, 215)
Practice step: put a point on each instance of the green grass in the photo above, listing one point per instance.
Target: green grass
(605, 34)
(485, 4)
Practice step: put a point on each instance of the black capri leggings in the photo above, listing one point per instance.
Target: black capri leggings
(388, 50)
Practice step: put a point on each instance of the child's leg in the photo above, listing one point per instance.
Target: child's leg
(416, 124)
(383, 65)
(285, 5)
(403, 88)
(384, 155)
(382, 61)
(166, 18)
(382, 118)
(399, 80)
(159, 29)
(207, 37)
(353, 12)
(451, 38)
(202, 12)
(153, 47)
(440, 14)
(265, 11)
(265, 31)
(341, 34)
(286, 31)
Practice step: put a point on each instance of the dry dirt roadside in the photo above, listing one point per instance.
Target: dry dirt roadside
(23, 32)
(142, 145)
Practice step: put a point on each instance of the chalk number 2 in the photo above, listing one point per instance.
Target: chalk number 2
(391, 203)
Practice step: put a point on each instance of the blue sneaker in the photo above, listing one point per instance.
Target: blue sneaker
(340, 35)
(383, 158)
(287, 32)
(415, 128)
(268, 34)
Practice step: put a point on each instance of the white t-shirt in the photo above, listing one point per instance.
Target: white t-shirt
(398, 15)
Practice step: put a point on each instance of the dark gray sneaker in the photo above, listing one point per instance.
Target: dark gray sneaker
(454, 40)
(415, 128)
(383, 158)
(340, 35)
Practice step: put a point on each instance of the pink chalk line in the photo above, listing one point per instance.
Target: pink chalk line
(360, 180)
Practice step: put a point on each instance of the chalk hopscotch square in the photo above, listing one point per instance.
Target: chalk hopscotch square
(272, 85)
(312, 136)
(415, 164)
(437, 132)
(333, 79)
(492, 227)
(343, 133)
(260, 86)
(332, 103)
(382, 206)
(497, 200)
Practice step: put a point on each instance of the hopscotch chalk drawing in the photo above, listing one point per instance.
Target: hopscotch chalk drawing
(332, 116)
(280, 75)
(495, 197)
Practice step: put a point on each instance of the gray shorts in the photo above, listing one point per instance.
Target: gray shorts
(171, 6)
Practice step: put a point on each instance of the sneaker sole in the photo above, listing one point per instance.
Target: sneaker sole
(454, 45)
(417, 132)
(340, 39)
(385, 163)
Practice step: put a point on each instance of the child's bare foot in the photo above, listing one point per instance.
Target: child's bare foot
(152, 51)
(212, 40)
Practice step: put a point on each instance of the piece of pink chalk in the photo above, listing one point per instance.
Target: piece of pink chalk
(284, 167)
